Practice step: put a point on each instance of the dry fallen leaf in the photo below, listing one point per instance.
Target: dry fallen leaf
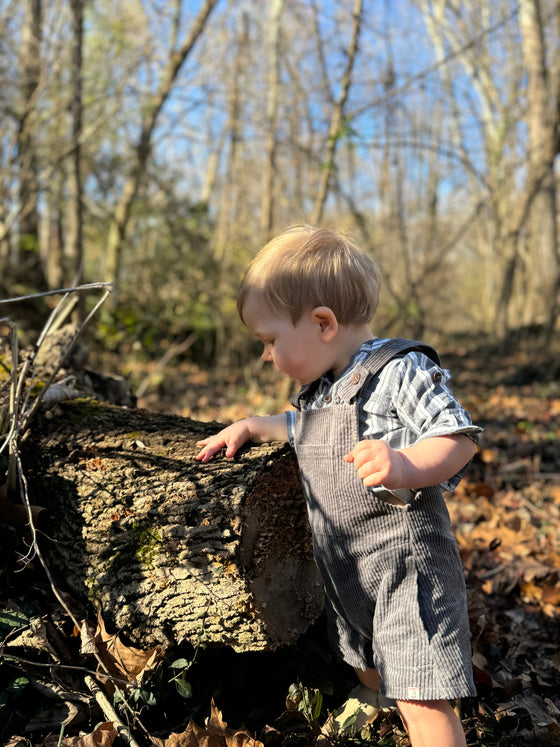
(102, 736)
(216, 734)
(554, 493)
(118, 658)
(34, 637)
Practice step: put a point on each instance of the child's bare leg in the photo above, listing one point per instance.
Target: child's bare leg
(369, 678)
(432, 722)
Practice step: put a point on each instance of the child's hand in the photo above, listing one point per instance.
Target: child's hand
(232, 437)
(378, 464)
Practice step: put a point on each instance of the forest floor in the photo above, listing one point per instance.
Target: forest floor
(505, 515)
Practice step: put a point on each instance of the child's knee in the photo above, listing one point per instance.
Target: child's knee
(369, 677)
(426, 720)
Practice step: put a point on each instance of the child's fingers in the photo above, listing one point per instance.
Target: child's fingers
(369, 451)
(369, 459)
(212, 445)
(232, 437)
(208, 451)
(360, 447)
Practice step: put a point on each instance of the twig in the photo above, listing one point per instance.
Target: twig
(12, 408)
(57, 292)
(110, 713)
(108, 290)
(9, 657)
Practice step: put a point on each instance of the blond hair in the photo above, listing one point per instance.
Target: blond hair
(304, 267)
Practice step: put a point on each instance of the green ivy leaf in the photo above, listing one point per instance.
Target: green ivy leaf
(180, 664)
(183, 688)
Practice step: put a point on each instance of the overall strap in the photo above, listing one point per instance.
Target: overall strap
(378, 359)
(396, 348)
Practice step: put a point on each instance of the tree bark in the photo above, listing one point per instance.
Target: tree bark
(168, 548)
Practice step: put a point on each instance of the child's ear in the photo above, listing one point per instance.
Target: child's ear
(327, 321)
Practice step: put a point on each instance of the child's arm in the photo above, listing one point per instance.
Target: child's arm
(259, 429)
(429, 462)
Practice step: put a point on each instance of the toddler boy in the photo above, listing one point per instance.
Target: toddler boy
(378, 436)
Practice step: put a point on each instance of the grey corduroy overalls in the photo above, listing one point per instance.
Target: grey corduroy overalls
(393, 578)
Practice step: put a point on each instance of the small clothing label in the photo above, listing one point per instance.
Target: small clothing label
(414, 693)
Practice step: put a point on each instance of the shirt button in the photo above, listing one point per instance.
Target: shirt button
(437, 376)
(355, 378)
(327, 398)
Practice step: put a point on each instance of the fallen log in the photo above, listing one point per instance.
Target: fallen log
(169, 549)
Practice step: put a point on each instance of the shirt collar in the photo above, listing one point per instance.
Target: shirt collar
(326, 383)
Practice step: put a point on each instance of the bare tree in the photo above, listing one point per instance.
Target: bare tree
(152, 107)
(337, 116)
(231, 188)
(512, 188)
(74, 241)
(271, 141)
(543, 123)
(27, 262)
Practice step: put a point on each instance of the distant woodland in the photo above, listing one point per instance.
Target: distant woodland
(158, 144)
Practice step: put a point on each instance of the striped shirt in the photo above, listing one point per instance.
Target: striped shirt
(408, 402)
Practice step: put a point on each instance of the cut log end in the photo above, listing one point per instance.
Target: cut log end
(276, 551)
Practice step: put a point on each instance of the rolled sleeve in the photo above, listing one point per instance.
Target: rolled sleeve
(411, 402)
(424, 402)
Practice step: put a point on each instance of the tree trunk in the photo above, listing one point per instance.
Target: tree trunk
(143, 148)
(74, 243)
(26, 267)
(171, 549)
(337, 117)
(271, 136)
(543, 122)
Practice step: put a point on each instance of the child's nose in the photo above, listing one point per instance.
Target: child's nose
(266, 354)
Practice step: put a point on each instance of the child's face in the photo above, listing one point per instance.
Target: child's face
(296, 350)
